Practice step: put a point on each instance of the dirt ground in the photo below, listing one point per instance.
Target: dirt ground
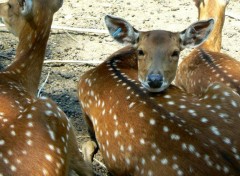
(174, 15)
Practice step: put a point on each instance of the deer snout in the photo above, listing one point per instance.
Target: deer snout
(155, 80)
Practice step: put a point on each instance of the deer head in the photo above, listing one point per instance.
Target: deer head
(17, 13)
(158, 51)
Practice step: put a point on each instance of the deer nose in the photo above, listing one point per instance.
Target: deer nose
(155, 80)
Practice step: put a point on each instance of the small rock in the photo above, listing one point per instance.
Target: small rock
(175, 9)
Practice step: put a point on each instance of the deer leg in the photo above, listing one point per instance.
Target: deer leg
(76, 160)
(90, 147)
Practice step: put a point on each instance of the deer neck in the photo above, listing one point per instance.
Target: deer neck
(217, 12)
(30, 53)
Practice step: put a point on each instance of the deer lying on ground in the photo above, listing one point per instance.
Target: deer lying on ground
(36, 137)
(206, 64)
(144, 127)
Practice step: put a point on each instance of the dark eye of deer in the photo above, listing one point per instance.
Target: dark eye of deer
(175, 54)
(140, 53)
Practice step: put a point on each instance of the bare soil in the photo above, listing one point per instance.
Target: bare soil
(61, 84)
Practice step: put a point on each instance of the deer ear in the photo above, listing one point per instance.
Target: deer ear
(196, 34)
(26, 6)
(121, 30)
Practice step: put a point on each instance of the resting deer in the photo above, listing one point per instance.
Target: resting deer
(144, 127)
(36, 137)
(206, 64)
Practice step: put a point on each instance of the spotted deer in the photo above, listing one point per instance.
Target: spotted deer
(36, 137)
(151, 130)
(206, 64)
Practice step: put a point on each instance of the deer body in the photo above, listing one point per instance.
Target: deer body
(206, 64)
(38, 149)
(170, 133)
(166, 133)
(202, 67)
(36, 137)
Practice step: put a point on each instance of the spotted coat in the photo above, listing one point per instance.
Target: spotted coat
(167, 133)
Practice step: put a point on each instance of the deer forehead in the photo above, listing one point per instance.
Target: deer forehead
(159, 40)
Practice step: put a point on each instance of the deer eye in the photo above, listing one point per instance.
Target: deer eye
(140, 52)
(175, 53)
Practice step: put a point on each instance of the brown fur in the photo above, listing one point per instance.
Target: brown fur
(36, 137)
(167, 133)
(206, 64)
